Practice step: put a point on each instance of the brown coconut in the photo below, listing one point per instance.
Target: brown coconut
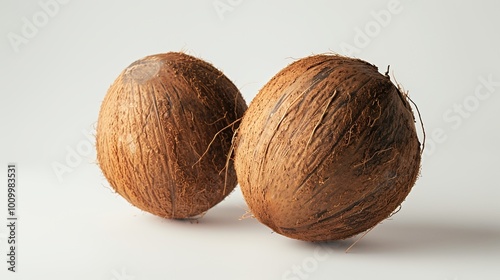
(327, 149)
(164, 134)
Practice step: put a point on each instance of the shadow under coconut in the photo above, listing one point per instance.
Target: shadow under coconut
(227, 215)
(230, 215)
(430, 237)
(334, 247)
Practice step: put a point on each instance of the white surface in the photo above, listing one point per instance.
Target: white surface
(74, 227)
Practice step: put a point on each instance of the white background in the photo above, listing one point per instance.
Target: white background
(73, 226)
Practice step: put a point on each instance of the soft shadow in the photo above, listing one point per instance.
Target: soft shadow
(430, 238)
(223, 215)
(420, 238)
(335, 246)
(227, 214)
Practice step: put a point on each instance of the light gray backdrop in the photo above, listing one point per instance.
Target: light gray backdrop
(58, 59)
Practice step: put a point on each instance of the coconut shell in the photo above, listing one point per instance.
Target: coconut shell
(327, 149)
(164, 133)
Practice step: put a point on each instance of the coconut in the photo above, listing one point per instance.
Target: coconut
(327, 149)
(164, 133)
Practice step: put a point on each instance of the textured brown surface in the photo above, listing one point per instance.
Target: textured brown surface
(160, 116)
(327, 149)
